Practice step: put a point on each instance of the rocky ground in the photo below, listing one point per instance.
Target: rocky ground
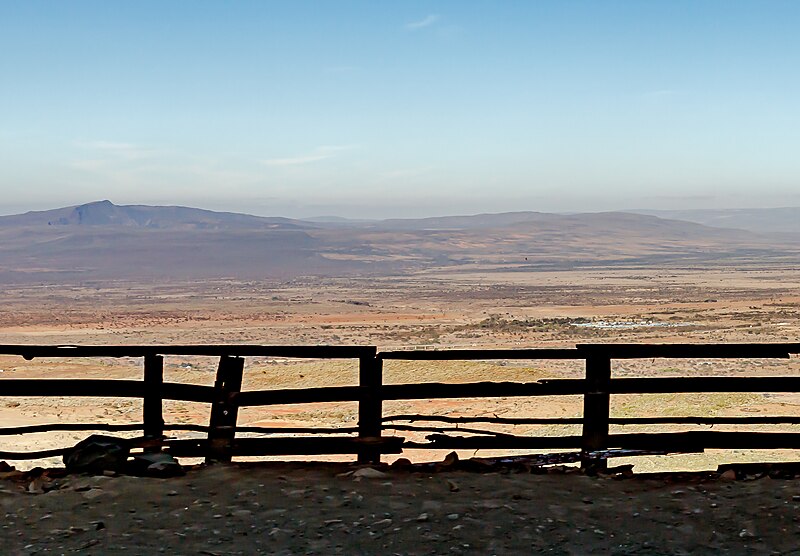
(336, 509)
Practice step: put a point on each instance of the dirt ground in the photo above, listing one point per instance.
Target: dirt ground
(284, 509)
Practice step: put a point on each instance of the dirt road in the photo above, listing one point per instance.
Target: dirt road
(292, 509)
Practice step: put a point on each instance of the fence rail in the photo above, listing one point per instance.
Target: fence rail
(368, 440)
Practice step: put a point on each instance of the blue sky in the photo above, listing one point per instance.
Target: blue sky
(400, 108)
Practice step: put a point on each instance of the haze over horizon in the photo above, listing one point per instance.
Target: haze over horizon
(377, 110)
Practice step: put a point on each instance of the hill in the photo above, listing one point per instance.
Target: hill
(784, 220)
(103, 241)
(105, 213)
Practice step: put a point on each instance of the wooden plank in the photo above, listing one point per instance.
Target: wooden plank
(499, 420)
(689, 420)
(680, 442)
(704, 384)
(446, 442)
(680, 351)
(706, 440)
(34, 455)
(370, 406)
(596, 404)
(224, 411)
(49, 427)
(234, 350)
(102, 388)
(152, 410)
(298, 395)
(482, 354)
(187, 392)
(310, 446)
(56, 387)
(434, 390)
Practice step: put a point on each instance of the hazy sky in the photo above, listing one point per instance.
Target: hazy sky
(376, 108)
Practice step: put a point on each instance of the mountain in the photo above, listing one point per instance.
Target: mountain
(105, 213)
(785, 220)
(103, 241)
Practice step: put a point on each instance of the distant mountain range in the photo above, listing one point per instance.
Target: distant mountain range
(104, 241)
(785, 220)
(106, 213)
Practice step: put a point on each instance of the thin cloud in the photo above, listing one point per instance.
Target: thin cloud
(427, 21)
(113, 148)
(320, 153)
(296, 160)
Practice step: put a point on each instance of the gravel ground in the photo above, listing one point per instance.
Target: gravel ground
(329, 509)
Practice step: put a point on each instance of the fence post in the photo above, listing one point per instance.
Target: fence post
(370, 405)
(224, 411)
(596, 407)
(152, 412)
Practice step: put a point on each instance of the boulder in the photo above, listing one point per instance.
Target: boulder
(96, 454)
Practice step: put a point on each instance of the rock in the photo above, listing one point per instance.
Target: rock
(155, 464)
(92, 493)
(450, 460)
(745, 534)
(423, 517)
(369, 473)
(383, 523)
(729, 475)
(401, 463)
(453, 517)
(97, 454)
(452, 486)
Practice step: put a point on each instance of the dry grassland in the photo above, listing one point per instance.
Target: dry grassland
(468, 308)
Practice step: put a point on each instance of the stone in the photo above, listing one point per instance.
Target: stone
(155, 464)
(369, 473)
(96, 454)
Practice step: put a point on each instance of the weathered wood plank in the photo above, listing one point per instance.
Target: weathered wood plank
(298, 395)
(680, 351)
(704, 384)
(106, 427)
(211, 350)
(152, 410)
(691, 441)
(224, 411)
(82, 387)
(370, 406)
(705, 440)
(54, 387)
(290, 446)
(689, 420)
(434, 390)
(446, 442)
(482, 354)
(596, 404)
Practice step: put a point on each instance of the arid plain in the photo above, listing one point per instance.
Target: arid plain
(442, 308)
(102, 275)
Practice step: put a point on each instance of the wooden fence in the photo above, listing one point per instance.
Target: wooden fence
(368, 440)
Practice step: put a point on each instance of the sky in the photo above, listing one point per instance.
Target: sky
(370, 109)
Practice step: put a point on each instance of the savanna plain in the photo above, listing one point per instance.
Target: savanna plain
(322, 509)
